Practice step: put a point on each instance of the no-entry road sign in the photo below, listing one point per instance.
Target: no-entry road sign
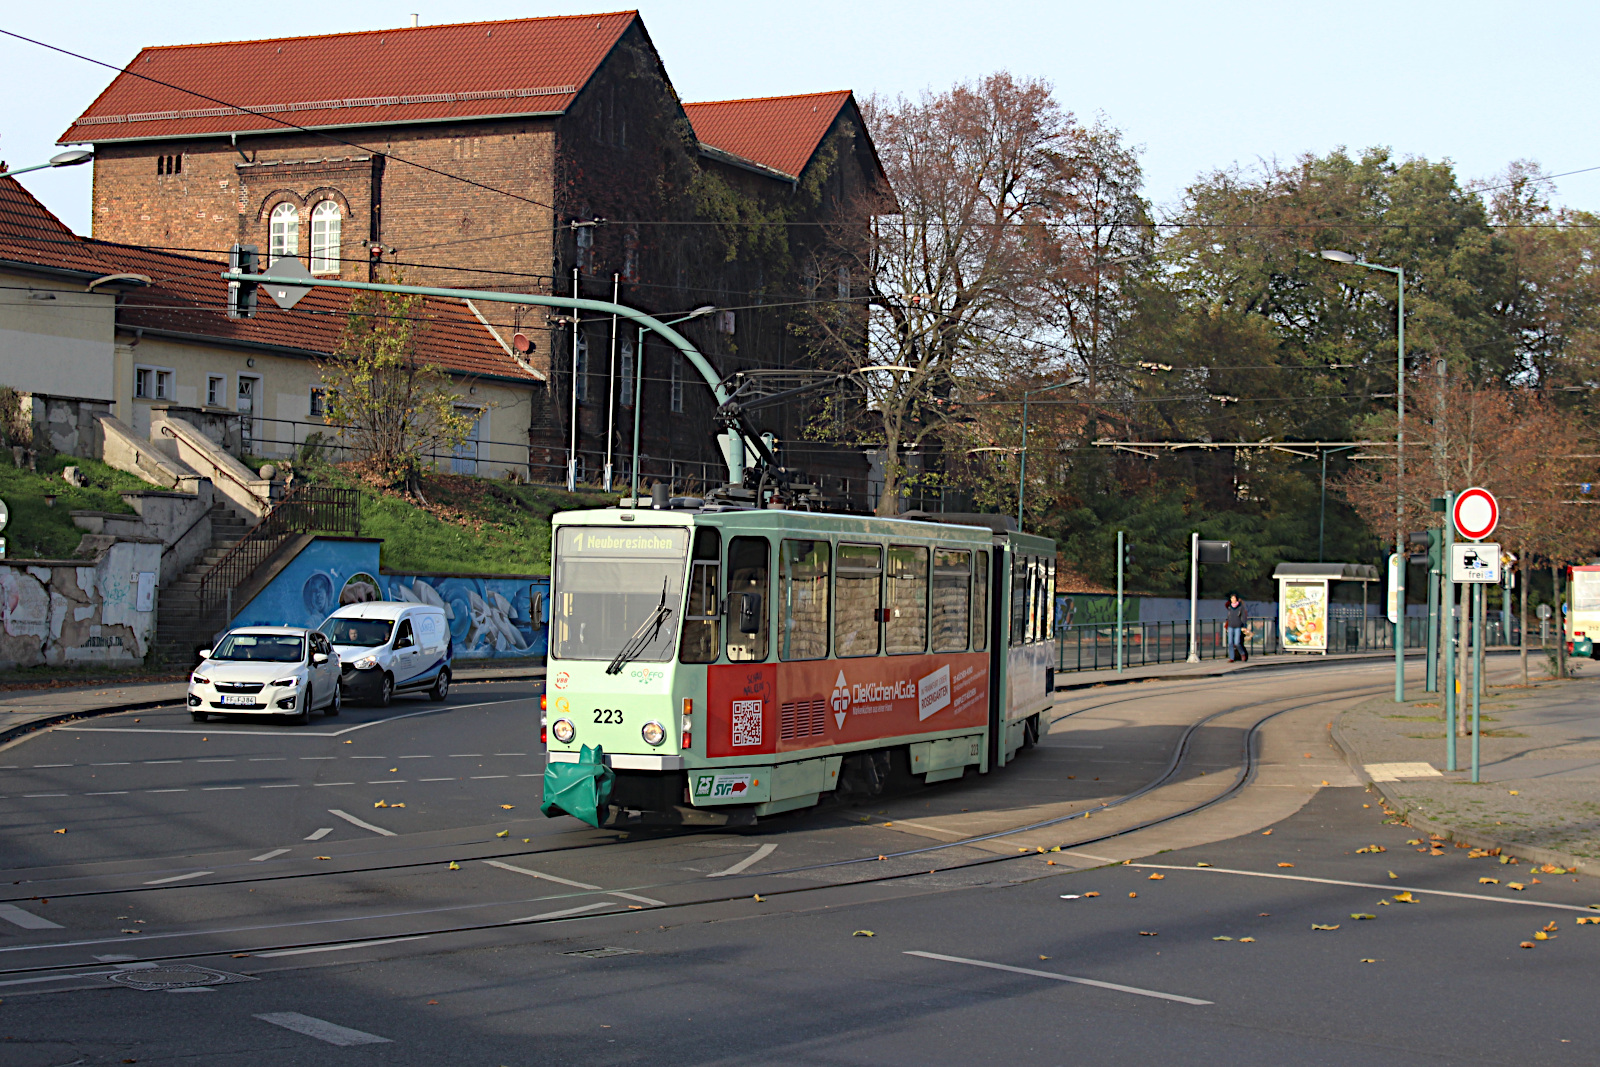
(1476, 514)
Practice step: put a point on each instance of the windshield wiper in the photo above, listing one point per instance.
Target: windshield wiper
(643, 635)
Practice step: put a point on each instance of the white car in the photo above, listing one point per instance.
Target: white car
(266, 670)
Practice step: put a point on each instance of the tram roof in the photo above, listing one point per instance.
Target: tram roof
(781, 521)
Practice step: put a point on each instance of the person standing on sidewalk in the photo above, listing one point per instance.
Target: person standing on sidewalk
(1238, 618)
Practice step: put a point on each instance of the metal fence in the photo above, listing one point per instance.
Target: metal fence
(1090, 646)
(306, 509)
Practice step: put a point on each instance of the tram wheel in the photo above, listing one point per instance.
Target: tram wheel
(1030, 731)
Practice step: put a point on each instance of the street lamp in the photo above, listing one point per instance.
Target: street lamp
(1400, 461)
(638, 390)
(70, 158)
(1022, 453)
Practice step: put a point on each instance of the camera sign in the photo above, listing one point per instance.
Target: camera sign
(1477, 562)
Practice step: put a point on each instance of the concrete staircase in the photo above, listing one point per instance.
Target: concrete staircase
(180, 630)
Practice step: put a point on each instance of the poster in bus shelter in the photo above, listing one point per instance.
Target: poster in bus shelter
(1303, 616)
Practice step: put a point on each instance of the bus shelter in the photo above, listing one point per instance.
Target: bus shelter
(1303, 590)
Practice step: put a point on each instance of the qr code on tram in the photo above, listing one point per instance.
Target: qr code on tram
(746, 722)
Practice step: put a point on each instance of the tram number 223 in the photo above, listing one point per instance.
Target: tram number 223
(608, 715)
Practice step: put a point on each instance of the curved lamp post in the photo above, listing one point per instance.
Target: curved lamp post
(638, 391)
(1400, 461)
(70, 158)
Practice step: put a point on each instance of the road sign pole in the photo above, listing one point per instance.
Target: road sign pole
(1447, 641)
(1478, 604)
(1119, 600)
(1194, 597)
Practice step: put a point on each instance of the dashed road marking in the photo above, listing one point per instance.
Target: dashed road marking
(353, 821)
(755, 857)
(179, 877)
(1390, 888)
(321, 1029)
(26, 919)
(1061, 978)
(318, 835)
(568, 881)
(559, 914)
(268, 855)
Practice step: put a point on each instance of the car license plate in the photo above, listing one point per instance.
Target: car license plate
(235, 698)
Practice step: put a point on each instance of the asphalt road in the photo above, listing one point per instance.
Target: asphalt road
(350, 938)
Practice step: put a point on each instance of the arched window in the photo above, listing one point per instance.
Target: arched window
(325, 238)
(284, 234)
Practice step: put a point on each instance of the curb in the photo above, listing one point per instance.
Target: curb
(1531, 853)
(1288, 664)
(21, 730)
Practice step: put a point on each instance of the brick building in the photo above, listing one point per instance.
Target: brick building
(532, 155)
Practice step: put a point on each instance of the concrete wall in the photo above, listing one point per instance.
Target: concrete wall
(249, 494)
(69, 613)
(180, 521)
(125, 450)
(66, 424)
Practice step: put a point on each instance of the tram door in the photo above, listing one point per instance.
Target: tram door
(999, 641)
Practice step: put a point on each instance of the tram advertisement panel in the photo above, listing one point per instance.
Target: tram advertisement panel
(767, 708)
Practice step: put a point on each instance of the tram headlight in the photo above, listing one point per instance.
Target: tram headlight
(564, 731)
(653, 733)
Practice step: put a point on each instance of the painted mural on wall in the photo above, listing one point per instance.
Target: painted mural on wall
(490, 616)
(78, 613)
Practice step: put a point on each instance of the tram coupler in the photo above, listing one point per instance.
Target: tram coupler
(581, 789)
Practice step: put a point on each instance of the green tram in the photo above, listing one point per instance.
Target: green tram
(709, 664)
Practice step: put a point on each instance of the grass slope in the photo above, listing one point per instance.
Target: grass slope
(38, 531)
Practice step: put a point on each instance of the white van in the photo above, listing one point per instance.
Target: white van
(385, 648)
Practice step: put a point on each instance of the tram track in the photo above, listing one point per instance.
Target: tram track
(1247, 768)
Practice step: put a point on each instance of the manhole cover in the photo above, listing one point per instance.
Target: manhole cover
(180, 976)
(601, 953)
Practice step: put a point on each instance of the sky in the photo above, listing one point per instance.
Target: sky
(1198, 86)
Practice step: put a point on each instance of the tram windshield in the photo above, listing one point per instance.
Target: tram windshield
(608, 586)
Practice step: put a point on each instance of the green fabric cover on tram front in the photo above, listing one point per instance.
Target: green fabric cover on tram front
(579, 789)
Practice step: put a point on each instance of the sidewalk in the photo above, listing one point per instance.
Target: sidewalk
(1539, 797)
(23, 711)
(1216, 668)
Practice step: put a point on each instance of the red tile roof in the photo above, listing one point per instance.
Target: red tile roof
(780, 133)
(188, 297)
(410, 74)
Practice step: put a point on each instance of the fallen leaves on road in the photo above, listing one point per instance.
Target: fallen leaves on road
(1406, 898)
(1264, 833)
(133, 931)
(507, 807)
(1324, 926)
(1488, 881)
(1202, 865)
(60, 831)
(863, 933)
(1148, 933)
(1222, 939)
(1362, 915)
(759, 898)
(1415, 841)
(1515, 793)
(1371, 848)
(397, 805)
(322, 857)
(454, 866)
(503, 833)
(1247, 940)
(1526, 944)
(1518, 886)
(1393, 875)
(1285, 865)
(1044, 957)
(1369, 961)
(1094, 894)
(883, 857)
(1132, 895)
(1542, 936)
(380, 804)
(1158, 876)
(1550, 927)
(1584, 920)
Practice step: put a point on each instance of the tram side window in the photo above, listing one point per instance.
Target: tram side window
(1035, 587)
(702, 609)
(1050, 600)
(748, 598)
(803, 596)
(980, 602)
(857, 589)
(1019, 599)
(952, 579)
(907, 607)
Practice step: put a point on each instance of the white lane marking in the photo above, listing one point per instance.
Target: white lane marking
(1062, 978)
(755, 857)
(559, 914)
(435, 779)
(463, 755)
(318, 835)
(321, 1029)
(1090, 856)
(925, 826)
(1391, 888)
(281, 733)
(384, 781)
(288, 785)
(268, 759)
(486, 777)
(353, 821)
(38, 796)
(369, 757)
(318, 757)
(575, 885)
(160, 762)
(123, 764)
(413, 757)
(166, 790)
(43, 766)
(214, 761)
(219, 788)
(321, 784)
(337, 948)
(26, 919)
(268, 855)
(56, 978)
(180, 877)
(112, 793)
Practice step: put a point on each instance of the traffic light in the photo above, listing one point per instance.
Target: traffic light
(1433, 556)
(243, 259)
(1127, 555)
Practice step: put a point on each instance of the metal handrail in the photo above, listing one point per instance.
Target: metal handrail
(306, 509)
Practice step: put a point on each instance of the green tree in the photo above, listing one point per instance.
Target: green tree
(395, 412)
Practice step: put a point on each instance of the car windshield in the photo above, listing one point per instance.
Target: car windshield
(609, 582)
(261, 648)
(363, 633)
